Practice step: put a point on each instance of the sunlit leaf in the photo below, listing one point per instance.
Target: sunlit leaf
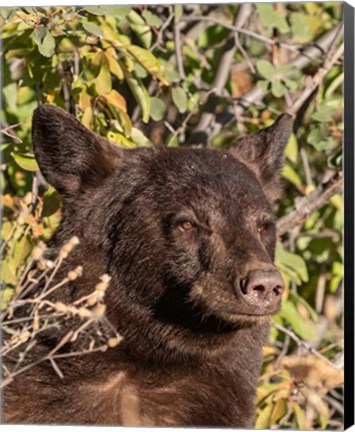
(148, 61)
(157, 108)
(92, 28)
(47, 45)
(151, 19)
(141, 29)
(141, 95)
(291, 150)
(180, 99)
(277, 88)
(116, 99)
(265, 69)
(120, 11)
(26, 161)
(263, 420)
(103, 82)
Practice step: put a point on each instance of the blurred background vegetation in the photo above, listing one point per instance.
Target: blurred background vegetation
(199, 75)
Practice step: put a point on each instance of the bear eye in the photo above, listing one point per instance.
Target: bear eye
(264, 226)
(185, 226)
(262, 229)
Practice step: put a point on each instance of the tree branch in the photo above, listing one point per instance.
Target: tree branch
(223, 70)
(302, 343)
(309, 204)
(256, 94)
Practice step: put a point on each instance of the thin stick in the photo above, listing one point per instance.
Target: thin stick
(312, 202)
(302, 343)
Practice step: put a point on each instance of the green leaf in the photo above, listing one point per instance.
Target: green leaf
(5, 296)
(125, 122)
(305, 329)
(25, 161)
(148, 61)
(6, 12)
(292, 261)
(277, 89)
(338, 81)
(38, 34)
(51, 202)
(151, 19)
(141, 96)
(291, 85)
(270, 18)
(291, 175)
(180, 99)
(92, 28)
(139, 70)
(119, 11)
(316, 139)
(8, 271)
(265, 69)
(291, 150)
(47, 46)
(324, 114)
(10, 95)
(157, 108)
(140, 28)
(22, 250)
(140, 139)
(264, 85)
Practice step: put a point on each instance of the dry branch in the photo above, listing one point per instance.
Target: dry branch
(223, 70)
(310, 203)
(256, 94)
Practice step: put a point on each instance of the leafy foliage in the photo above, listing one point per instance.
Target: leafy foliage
(127, 76)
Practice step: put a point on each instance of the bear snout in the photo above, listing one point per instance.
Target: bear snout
(262, 290)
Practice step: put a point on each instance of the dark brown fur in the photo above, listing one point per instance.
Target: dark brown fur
(191, 352)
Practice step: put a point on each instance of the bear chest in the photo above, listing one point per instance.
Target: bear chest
(190, 401)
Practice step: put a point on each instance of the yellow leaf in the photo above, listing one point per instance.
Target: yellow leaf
(102, 82)
(114, 67)
(279, 411)
(116, 99)
(87, 118)
(263, 420)
(148, 61)
(84, 100)
(300, 416)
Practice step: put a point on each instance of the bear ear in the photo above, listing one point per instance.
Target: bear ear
(70, 157)
(263, 152)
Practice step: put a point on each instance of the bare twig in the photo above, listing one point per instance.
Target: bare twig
(178, 54)
(237, 28)
(223, 69)
(302, 343)
(312, 202)
(256, 94)
(183, 125)
(316, 81)
(166, 24)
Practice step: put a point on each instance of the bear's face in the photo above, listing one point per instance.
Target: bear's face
(189, 234)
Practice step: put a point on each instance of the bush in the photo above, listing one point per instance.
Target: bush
(181, 75)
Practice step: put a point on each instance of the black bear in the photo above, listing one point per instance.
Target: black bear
(188, 237)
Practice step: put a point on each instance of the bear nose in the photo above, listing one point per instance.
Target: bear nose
(263, 287)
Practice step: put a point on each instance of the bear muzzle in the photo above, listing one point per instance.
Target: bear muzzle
(262, 291)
